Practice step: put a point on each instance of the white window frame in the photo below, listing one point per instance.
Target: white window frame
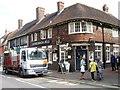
(96, 51)
(63, 51)
(35, 36)
(43, 34)
(32, 37)
(115, 50)
(114, 32)
(50, 33)
(108, 53)
(72, 27)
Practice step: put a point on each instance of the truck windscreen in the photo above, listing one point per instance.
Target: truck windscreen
(36, 55)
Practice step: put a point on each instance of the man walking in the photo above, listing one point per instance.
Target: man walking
(113, 61)
(118, 62)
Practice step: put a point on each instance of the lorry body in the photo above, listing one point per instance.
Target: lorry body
(28, 61)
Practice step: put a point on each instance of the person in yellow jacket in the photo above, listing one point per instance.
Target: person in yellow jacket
(92, 68)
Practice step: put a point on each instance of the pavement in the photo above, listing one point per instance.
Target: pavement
(110, 78)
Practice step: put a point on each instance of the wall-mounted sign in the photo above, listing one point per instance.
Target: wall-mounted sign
(46, 41)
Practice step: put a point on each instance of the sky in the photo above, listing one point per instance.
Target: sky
(12, 10)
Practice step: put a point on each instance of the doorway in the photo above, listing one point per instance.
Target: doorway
(79, 54)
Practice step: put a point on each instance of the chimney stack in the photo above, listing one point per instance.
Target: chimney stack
(60, 6)
(40, 13)
(105, 8)
(6, 32)
(20, 23)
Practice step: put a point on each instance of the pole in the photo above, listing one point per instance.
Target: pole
(103, 48)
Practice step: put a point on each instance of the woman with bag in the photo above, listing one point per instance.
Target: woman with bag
(82, 68)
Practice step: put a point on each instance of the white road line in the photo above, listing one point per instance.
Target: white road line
(72, 84)
(30, 83)
(52, 81)
(62, 82)
(8, 77)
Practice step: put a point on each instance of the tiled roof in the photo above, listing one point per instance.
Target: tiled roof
(25, 29)
(44, 22)
(80, 11)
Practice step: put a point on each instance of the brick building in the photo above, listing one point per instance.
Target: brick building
(71, 33)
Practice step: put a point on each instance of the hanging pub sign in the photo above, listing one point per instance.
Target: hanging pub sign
(42, 42)
(58, 41)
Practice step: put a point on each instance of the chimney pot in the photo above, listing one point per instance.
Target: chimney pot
(60, 5)
(105, 8)
(40, 13)
(20, 23)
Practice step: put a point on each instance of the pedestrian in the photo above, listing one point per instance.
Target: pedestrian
(113, 61)
(99, 68)
(92, 68)
(118, 62)
(82, 68)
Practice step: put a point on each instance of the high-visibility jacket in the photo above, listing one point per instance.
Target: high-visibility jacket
(93, 66)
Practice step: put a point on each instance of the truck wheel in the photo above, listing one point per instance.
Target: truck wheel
(6, 71)
(21, 73)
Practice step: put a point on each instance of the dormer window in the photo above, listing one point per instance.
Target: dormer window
(80, 27)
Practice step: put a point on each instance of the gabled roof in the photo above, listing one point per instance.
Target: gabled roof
(80, 11)
(5, 38)
(11, 35)
(45, 22)
(25, 29)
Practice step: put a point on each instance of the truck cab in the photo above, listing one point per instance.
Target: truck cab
(33, 61)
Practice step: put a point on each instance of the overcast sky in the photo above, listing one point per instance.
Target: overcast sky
(12, 10)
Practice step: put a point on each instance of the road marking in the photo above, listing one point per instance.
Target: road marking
(52, 81)
(8, 77)
(72, 84)
(61, 82)
(30, 83)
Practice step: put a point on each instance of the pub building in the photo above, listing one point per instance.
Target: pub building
(74, 32)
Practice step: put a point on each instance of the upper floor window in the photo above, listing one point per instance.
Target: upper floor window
(115, 33)
(35, 36)
(31, 37)
(43, 34)
(80, 27)
(84, 26)
(23, 40)
(18, 41)
(50, 33)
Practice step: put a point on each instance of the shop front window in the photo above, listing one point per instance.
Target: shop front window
(116, 50)
(63, 55)
(49, 57)
(108, 54)
(98, 51)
